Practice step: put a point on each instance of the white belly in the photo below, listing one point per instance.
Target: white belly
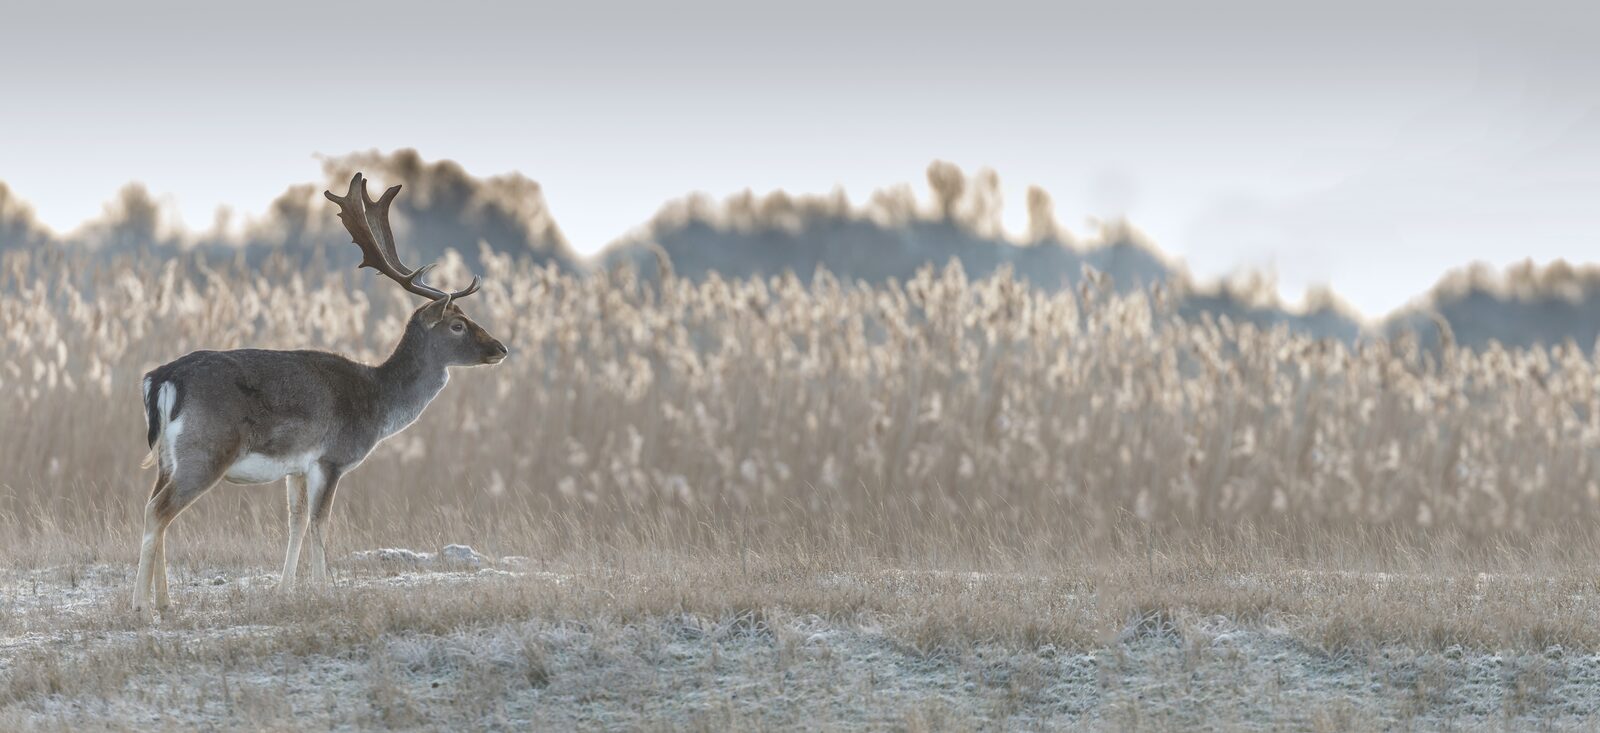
(256, 468)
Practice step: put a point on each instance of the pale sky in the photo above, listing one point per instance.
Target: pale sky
(1368, 145)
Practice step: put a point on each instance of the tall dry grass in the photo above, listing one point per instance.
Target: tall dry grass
(939, 415)
(1203, 513)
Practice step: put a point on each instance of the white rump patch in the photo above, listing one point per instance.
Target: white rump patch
(165, 400)
(170, 429)
(169, 440)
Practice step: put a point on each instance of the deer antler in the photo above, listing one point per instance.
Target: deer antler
(368, 224)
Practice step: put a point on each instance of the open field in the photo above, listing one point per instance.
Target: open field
(641, 639)
(940, 504)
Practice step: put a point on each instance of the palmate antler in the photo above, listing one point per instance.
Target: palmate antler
(368, 224)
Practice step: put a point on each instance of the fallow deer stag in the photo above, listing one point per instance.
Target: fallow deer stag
(253, 416)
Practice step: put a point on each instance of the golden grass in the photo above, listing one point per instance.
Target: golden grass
(1002, 415)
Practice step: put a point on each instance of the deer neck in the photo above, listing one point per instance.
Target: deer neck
(408, 380)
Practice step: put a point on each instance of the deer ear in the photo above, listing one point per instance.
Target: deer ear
(433, 313)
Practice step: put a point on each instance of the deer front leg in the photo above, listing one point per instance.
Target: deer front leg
(296, 492)
(321, 483)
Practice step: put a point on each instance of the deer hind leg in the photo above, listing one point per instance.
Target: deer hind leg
(152, 546)
(321, 482)
(158, 572)
(193, 473)
(296, 491)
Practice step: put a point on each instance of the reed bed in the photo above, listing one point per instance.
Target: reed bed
(936, 413)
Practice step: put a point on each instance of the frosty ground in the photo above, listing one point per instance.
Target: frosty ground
(454, 639)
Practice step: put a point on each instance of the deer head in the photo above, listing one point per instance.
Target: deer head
(444, 331)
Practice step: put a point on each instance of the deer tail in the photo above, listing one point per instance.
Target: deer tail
(160, 402)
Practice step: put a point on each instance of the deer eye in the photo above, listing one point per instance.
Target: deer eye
(458, 326)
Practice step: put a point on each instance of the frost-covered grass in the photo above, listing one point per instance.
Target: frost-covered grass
(835, 639)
